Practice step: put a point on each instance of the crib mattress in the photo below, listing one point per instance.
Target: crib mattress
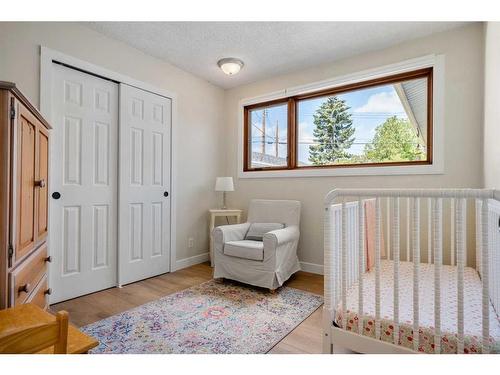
(472, 308)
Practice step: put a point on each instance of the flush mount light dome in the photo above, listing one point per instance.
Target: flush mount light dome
(230, 65)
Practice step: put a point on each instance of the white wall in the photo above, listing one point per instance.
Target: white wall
(207, 121)
(463, 50)
(200, 104)
(492, 105)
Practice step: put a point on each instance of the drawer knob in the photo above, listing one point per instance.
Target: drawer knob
(40, 183)
(48, 259)
(48, 292)
(24, 288)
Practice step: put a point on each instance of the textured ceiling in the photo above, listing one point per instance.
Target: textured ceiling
(267, 48)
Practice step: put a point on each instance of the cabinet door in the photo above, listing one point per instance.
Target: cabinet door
(41, 183)
(25, 167)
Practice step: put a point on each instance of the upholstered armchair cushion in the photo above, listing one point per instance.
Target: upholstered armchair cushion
(257, 230)
(246, 249)
(274, 211)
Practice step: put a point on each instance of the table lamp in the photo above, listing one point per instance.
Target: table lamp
(224, 184)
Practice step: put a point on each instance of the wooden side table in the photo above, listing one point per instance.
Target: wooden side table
(220, 213)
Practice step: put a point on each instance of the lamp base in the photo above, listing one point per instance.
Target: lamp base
(223, 201)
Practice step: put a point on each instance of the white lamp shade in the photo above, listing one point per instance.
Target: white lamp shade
(224, 184)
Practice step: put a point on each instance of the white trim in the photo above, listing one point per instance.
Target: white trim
(435, 61)
(311, 268)
(47, 56)
(191, 261)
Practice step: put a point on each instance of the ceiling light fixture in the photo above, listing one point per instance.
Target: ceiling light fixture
(230, 65)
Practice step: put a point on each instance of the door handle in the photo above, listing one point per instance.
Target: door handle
(40, 183)
(165, 194)
(56, 195)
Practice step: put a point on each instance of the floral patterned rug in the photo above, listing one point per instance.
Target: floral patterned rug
(212, 317)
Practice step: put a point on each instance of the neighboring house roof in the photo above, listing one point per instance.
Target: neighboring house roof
(413, 96)
(260, 160)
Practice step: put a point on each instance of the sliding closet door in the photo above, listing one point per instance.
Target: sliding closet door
(83, 201)
(144, 175)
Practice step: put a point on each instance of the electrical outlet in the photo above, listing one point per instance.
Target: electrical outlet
(190, 242)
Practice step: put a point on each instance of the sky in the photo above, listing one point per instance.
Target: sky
(369, 108)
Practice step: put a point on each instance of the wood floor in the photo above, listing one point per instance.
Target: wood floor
(306, 338)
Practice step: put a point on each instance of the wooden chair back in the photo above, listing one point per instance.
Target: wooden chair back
(37, 337)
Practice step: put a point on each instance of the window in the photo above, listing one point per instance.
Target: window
(381, 122)
(268, 136)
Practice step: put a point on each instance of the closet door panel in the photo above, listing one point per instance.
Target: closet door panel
(84, 173)
(144, 235)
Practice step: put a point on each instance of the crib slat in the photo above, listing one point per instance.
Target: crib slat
(378, 247)
(338, 254)
(452, 231)
(361, 263)
(485, 275)
(329, 286)
(408, 215)
(396, 260)
(438, 260)
(416, 270)
(348, 246)
(494, 262)
(388, 228)
(491, 256)
(460, 237)
(479, 238)
(354, 244)
(429, 230)
(329, 282)
(343, 252)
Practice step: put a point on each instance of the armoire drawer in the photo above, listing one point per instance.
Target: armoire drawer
(27, 275)
(39, 295)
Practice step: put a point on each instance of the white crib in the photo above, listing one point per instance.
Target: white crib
(421, 296)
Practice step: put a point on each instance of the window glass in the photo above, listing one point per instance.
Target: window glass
(268, 136)
(381, 124)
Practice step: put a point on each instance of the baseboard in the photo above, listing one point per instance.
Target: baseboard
(197, 259)
(191, 261)
(311, 267)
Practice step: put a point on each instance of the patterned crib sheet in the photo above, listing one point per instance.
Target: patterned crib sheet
(472, 308)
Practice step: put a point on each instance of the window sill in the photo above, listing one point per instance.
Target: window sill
(355, 171)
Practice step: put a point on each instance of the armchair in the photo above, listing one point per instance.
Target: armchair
(267, 263)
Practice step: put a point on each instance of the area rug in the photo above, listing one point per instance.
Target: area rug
(212, 317)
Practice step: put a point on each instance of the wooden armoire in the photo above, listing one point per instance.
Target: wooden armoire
(24, 168)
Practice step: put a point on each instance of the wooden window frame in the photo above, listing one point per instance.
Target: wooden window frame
(292, 140)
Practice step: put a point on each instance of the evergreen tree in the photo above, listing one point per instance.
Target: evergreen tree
(333, 132)
(394, 140)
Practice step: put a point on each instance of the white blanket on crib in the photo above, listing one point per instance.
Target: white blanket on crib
(472, 308)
